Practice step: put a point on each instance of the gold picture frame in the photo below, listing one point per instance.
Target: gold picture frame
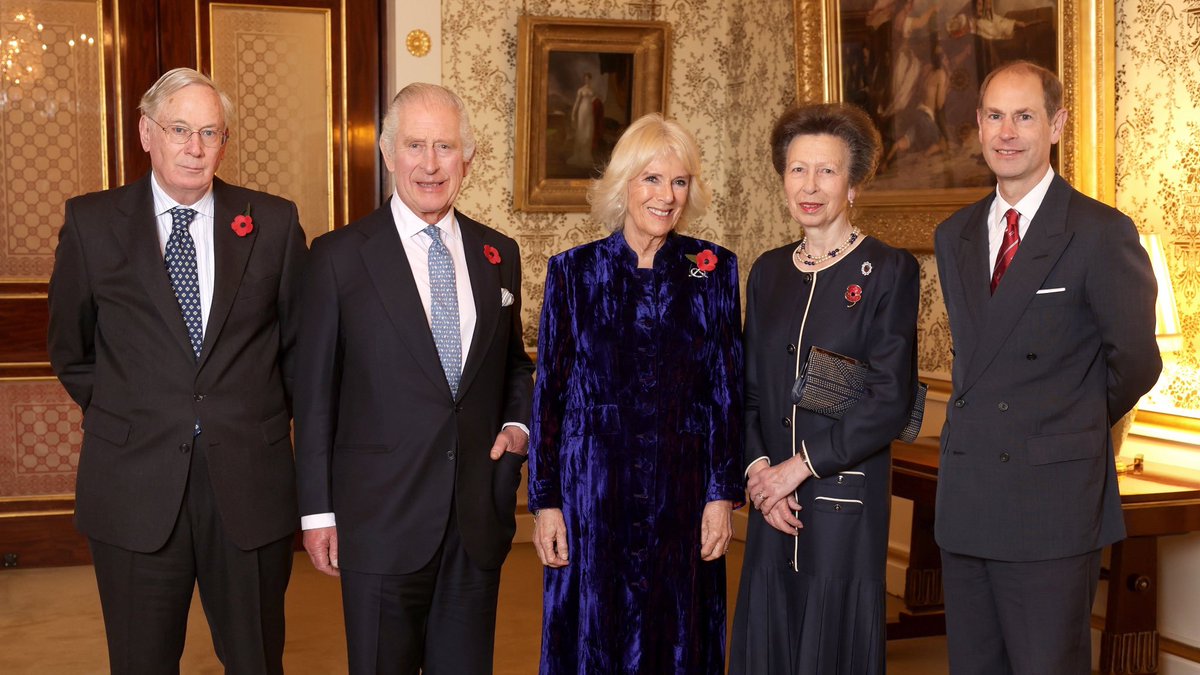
(580, 83)
(1086, 157)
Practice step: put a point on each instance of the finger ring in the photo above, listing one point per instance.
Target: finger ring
(761, 496)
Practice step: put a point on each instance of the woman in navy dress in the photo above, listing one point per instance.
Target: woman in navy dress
(635, 450)
(811, 598)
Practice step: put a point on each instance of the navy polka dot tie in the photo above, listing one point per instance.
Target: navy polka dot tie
(180, 258)
(443, 311)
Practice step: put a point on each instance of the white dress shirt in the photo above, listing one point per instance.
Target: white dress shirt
(201, 230)
(416, 248)
(1027, 208)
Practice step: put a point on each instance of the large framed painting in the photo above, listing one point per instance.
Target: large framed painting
(580, 84)
(915, 66)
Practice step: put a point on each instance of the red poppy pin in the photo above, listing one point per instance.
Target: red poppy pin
(491, 254)
(853, 294)
(243, 224)
(706, 261)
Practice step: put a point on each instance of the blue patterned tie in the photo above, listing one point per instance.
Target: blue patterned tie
(180, 258)
(443, 296)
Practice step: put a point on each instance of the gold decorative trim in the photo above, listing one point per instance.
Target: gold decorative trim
(418, 43)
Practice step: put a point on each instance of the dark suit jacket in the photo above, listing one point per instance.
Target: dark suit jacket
(380, 441)
(119, 345)
(1040, 377)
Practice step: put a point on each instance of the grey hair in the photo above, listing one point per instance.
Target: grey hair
(425, 93)
(174, 80)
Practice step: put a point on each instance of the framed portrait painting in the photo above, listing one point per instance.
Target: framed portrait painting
(915, 66)
(580, 84)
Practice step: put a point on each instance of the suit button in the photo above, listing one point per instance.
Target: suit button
(450, 455)
(198, 397)
(841, 479)
(185, 447)
(458, 408)
(959, 403)
(1003, 406)
(791, 349)
(1004, 457)
(1031, 356)
(787, 423)
(807, 278)
(837, 507)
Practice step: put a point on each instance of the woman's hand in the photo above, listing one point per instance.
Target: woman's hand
(783, 516)
(769, 486)
(716, 529)
(550, 537)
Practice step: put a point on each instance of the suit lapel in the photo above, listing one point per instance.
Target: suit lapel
(231, 254)
(387, 266)
(1039, 252)
(973, 265)
(485, 287)
(138, 236)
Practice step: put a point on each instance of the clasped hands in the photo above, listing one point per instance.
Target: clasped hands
(772, 488)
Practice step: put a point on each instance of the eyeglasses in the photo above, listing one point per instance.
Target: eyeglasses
(209, 138)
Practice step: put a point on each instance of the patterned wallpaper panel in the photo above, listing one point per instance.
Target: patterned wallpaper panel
(40, 424)
(52, 126)
(275, 60)
(1158, 164)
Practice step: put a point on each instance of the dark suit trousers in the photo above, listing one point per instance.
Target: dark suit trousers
(439, 620)
(1019, 618)
(145, 597)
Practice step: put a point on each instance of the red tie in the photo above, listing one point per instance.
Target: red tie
(1008, 247)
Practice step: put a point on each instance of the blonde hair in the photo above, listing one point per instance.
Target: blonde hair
(175, 80)
(426, 93)
(647, 139)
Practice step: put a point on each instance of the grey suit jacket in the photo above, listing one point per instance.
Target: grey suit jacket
(119, 346)
(1042, 370)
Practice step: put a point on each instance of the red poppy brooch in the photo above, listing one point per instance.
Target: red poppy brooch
(706, 261)
(243, 224)
(492, 255)
(853, 294)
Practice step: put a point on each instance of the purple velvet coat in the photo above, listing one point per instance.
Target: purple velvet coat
(636, 426)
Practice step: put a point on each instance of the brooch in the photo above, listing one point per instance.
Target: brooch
(243, 224)
(492, 255)
(866, 268)
(853, 294)
(706, 261)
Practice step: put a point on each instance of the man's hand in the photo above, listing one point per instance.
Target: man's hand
(510, 439)
(716, 529)
(550, 537)
(321, 544)
(771, 485)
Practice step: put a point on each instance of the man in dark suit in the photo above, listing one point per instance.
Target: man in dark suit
(412, 407)
(1051, 305)
(171, 324)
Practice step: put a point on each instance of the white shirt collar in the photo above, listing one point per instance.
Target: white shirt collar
(1029, 204)
(163, 202)
(410, 224)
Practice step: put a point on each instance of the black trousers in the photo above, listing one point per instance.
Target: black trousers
(145, 597)
(439, 620)
(1019, 618)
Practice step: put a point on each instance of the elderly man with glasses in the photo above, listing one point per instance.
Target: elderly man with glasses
(172, 321)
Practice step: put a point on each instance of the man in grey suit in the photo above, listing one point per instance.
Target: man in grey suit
(1051, 305)
(172, 321)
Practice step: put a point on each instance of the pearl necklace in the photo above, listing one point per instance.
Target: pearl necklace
(803, 257)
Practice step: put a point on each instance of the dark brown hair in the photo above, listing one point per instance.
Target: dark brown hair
(842, 120)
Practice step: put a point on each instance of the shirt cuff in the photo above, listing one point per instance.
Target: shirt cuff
(518, 425)
(317, 520)
(807, 462)
(764, 458)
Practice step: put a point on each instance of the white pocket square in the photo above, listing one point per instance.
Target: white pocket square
(506, 297)
(1045, 291)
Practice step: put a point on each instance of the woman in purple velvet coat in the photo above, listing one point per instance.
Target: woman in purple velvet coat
(634, 456)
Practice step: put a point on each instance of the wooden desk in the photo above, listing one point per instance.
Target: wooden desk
(1153, 506)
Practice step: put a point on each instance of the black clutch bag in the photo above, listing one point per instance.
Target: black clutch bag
(832, 383)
